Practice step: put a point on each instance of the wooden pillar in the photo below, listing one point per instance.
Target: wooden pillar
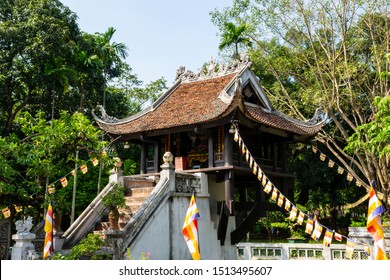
(144, 152)
(228, 147)
(211, 136)
(156, 157)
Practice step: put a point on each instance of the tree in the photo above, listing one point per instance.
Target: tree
(35, 38)
(328, 54)
(111, 54)
(234, 36)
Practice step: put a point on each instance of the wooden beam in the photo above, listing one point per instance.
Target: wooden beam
(223, 222)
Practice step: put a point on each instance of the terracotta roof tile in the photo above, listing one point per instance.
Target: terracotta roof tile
(190, 103)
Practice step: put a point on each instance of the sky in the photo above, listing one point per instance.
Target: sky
(161, 36)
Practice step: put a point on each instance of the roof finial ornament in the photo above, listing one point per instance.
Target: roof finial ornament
(105, 117)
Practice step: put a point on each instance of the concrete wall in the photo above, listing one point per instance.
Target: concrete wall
(162, 237)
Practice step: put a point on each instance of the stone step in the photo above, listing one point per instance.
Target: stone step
(139, 182)
(139, 192)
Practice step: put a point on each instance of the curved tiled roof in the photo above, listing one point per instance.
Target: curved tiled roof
(201, 101)
(276, 120)
(190, 103)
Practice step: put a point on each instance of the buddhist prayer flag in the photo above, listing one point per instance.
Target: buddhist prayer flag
(73, 172)
(247, 155)
(268, 187)
(340, 170)
(274, 194)
(322, 156)
(259, 174)
(95, 161)
(358, 183)
(84, 169)
(349, 177)
(338, 236)
(251, 162)
(301, 217)
(293, 213)
(280, 200)
(287, 205)
(349, 249)
(317, 232)
(18, 208)
(331, 163)
(255, 168)
(64, 181)
(374, 225)
(314, 149)
(48, 244)
(6, 212)
(309, 226)
(190, 229)
(328, 238)
(236, 137)
(264, 180)
(243, 149)
(51, 189)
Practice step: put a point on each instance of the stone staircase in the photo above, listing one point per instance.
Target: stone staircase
(137, 190)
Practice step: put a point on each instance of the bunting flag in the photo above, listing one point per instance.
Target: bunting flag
(247, 155)
(84, 169)
(236, 137)
(274, 194)
(374, 225)
(18, 208)
(349, 177)
(64, 181)
(259, 174)
(251, 162)
(322, 157)
(264, 181)
(331, 163)
(328, 238)
(255, 169)
(95, 161)
(268, 187)
(340, 170)
(6, 212)
(349, 249)
(73, 172)
(243, 149)
(51, 189)
(293, 213)
(314, 149)
(301, 217)
(280, 200)
(190, 229)
(338, 236)
(287, 205)
(48, 244)
(358, 183)
(317, 232)
(309, 226)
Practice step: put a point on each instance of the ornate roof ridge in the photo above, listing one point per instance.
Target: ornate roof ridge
(212, 70)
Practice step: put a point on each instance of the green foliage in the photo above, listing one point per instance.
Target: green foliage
(373, 137)
(115, 198)
(86, 249)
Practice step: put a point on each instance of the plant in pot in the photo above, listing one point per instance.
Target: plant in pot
(114, 200)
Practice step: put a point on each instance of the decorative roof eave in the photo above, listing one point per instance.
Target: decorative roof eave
(280, 121)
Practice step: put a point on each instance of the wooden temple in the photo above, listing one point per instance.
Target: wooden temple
(193, 120)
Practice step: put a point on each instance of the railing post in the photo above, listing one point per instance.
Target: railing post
(168, 170)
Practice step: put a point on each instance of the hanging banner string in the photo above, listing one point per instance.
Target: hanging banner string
(313, 227)
(350, 177)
